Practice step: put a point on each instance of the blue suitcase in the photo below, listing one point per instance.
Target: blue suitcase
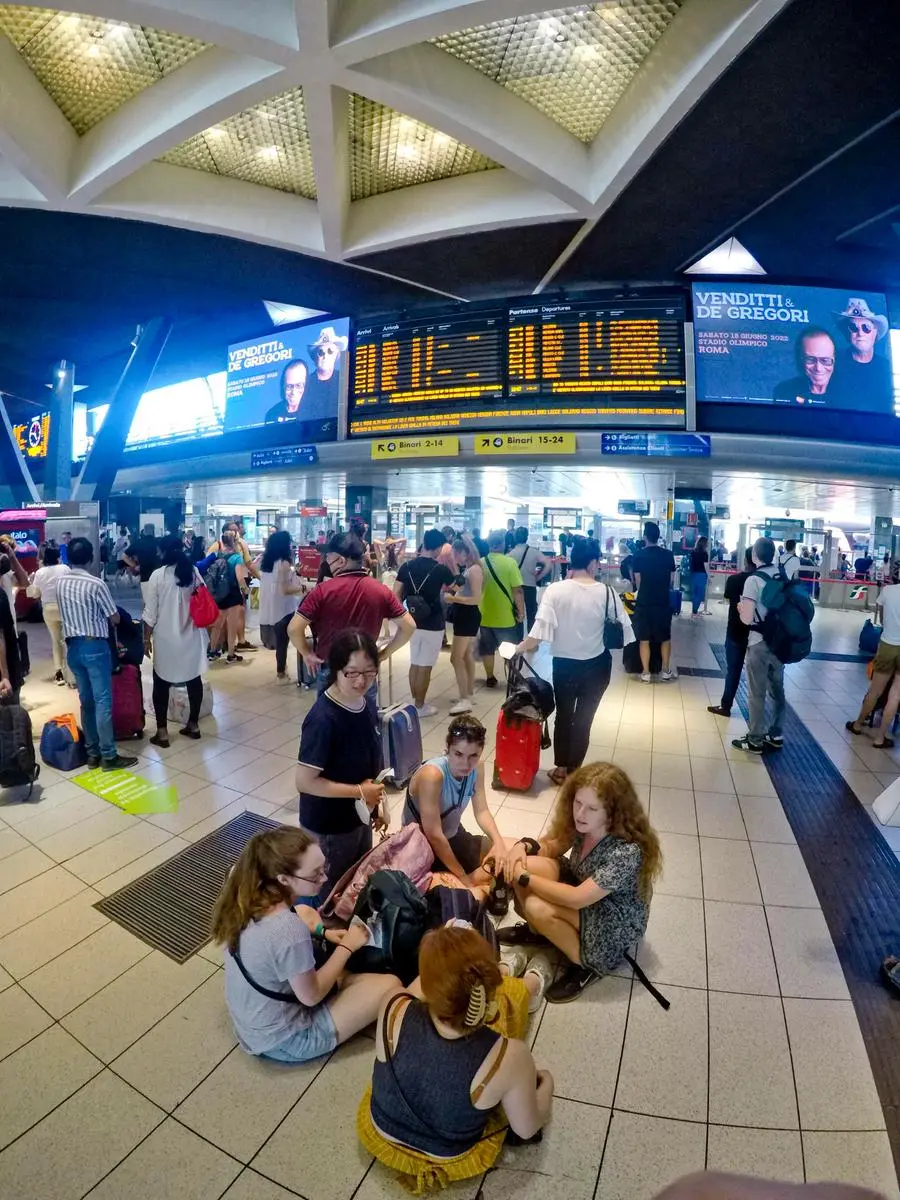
(869, 639)
(675, 599)
(401, 738)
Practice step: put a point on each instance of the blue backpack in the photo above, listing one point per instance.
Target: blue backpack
(62, 743)
(786, 625)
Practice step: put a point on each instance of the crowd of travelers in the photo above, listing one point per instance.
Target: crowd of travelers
(453, 1079)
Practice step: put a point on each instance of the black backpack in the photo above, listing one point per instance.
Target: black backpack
(404, 920)
(529, 699)
(786, 625)
(220, 579)
(18, 763)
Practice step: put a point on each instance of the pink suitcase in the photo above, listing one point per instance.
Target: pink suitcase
(127, 704)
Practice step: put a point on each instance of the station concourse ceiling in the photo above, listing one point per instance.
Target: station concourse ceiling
(191, 158)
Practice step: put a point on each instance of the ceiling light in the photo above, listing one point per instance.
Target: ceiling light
(731, 258)
(268, 152)
(93, 51)
(217, 131)
(118, 30)
(585, 53)
(71, 21)
(440, 139)
(406, 152)
(407, 125)
(548, 27)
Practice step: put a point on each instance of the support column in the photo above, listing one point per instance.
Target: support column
(102, 464)
(360, 501)
(58, 464)
(16, 485)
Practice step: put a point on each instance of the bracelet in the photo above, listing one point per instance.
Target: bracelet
(319, 930)
(531, 846)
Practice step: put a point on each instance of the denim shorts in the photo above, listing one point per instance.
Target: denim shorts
(318, 1038)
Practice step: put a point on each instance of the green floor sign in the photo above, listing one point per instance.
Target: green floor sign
(129, 792)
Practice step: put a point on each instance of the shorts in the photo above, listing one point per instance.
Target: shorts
(887, 660)
(469, 848)
(466, 620)
(489, 639)
(652, 624)
(425, 647)
(232, 600)
(318, 1038)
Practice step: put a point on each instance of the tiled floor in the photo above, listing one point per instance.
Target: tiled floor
(120, 1077)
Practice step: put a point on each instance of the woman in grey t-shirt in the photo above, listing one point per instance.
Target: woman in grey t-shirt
(279, 1002)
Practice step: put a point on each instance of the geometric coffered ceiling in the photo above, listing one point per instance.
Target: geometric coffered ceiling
(343, 127)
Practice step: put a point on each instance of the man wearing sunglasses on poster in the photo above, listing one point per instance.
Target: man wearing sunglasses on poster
(863, 376)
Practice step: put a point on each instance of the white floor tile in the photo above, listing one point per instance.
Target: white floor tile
(739, 949)
(765, 820)
(23, 865)
(783, 876)
(251, 1186)
(664, 1063)
(750, 1077)
(172, 1161)
(115, 852)
(672, 810)
(140, 866)
(719, 815)
(32, 945)
(808, 964)
(599, 1017)
(565, 1163)
(20, 1019)
(644, 1154)
(29, 900)
(681, 866)
(79, 973)
(39, 1076)
(765, 1153)
(728, 871)
(673, 950)
(861, 1159)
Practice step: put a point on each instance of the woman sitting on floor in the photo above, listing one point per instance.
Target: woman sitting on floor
(280, 1002)
(594, 904)
(445, 1063)
(441, 791)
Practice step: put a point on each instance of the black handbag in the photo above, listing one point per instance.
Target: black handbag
(613, 630)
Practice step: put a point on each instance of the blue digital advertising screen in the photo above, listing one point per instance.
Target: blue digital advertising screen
(793, 348)
(294, 378)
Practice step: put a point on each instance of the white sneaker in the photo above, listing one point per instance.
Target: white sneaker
(427, 710)
(461, 706)
(516, 960)
(646, 677)
(667, 675)
(543, 966)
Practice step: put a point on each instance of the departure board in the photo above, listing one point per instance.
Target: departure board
(621, 361)
(413, 374)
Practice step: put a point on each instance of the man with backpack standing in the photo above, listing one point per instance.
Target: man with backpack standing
(420, 583)
(778, 612)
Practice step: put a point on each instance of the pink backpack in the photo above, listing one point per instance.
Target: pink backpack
(408, 851)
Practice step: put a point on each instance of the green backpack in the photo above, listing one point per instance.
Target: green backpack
(786, 627)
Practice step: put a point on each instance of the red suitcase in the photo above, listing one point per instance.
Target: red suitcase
(127, 703)
(518, 753)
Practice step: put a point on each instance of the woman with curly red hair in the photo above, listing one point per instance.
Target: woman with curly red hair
(594, 904)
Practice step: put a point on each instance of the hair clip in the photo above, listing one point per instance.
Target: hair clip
(477, 1006)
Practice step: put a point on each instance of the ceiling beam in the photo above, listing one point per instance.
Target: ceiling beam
(265, 28)
(439, 90)
(368, 28)
(35, 137)
(169, 195)
(446, 207)
(214, 85)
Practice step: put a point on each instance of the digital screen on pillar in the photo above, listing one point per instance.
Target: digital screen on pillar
(427, 373)
(32, 436)
(613, 362)
(793, 349)
(294, 378)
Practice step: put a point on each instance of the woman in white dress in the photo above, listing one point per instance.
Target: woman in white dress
(279, 594)
(179, 647)
(43, 588)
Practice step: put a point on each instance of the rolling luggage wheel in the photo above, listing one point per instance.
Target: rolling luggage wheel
(496, 782)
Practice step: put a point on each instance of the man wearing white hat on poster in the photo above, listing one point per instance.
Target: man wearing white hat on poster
(863, 377)
(324, 383)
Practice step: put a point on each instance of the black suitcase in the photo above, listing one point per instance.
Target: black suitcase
(631, 658)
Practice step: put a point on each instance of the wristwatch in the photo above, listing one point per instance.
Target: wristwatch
(524, 879)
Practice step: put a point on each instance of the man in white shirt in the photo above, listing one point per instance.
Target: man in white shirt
(533, 566)
(789, 560)
(765, 672)
(887, 663)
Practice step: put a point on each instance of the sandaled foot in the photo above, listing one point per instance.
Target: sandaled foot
(851, 725)
(886, 743)
(557, 775)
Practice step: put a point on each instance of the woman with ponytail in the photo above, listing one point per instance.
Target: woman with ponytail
(178, 646)
(446, 1060)
(281, 1004)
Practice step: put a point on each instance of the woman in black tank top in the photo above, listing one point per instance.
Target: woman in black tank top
(448, 1054)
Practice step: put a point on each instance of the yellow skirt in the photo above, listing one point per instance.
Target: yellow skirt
(417, 1172)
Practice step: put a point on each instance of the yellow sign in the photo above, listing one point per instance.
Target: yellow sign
(524, 443)
(439, 446)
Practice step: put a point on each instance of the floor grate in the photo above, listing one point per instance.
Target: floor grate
(170, 908)
(857, 880)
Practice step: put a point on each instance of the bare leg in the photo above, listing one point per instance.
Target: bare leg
(232, 626)
(357, 1003)
(890, 711)
(488, 663)
(560, 925)
(470, 666)
(645, 657)
(665, 653)
(460, 663)
(217, 633)
(415, 686)
(876, 688)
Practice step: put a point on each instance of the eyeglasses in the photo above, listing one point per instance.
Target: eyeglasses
(860, 326)
(294, 387)
(319, 876)
(811, 360)
(355, 676)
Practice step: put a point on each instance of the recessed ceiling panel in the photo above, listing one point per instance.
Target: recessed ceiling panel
(91, 66)
(571, 63)
(266, 144)
(390, 151)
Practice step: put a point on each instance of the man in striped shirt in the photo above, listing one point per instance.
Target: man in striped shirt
(87, 610)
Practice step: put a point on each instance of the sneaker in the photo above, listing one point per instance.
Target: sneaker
(93, 761)
(427, 710)
(120, 763)
(744, 743)
(461, 706)
(667, 675)
(233, 658)
(245, 646)
(516, 959)
(774, 741)
(570, 984)
(491, 681)
(59, 679)
(718, 711)
(542, 966)
(646, 677)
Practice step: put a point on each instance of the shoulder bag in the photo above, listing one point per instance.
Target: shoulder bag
(613, 632)
(490, 566)
(416, 605)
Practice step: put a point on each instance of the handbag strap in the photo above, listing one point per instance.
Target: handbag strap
(287, 997)
(487, 562)
(417, 591)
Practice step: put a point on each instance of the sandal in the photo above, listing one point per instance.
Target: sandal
(886, 743)
(851, 725)
(558, 775)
